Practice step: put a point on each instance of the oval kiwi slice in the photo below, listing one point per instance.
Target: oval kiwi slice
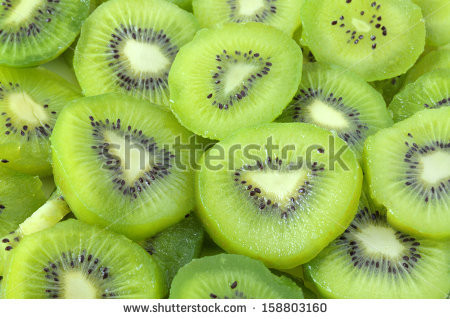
(80, 261)
(278, 192)
(30, 101)
(281, 14)
(34, 32)
(408, 170)
(376, 39)
(373, 260)
(248, 74)
(231, 277)
(336, 99)
(122, 162)
(430, 91)
(129, 47)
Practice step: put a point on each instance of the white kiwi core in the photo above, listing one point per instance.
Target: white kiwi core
(435, 167)
(77, 286)
(26, 109)
(145, 57)
(327, 116)
(250, 7)
(380, 240)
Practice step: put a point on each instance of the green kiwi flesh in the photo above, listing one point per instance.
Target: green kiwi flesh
(138, 41)
(176, 246)
(30, 102)
(407, 168)
(376, 39)
(249, 73)
(281, 14)
(125, 166)
(389, 87)
(436, 14)
(183, 4)
(436, 59)
(231, 277)
(74, 260)
(269, 205)
(340, 101)
(373, 260)
(430, 91)
(34, 32)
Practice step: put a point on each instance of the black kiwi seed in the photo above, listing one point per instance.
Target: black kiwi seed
(94, 271)
(360, 259)
(379, 18)
(218, 97)
(162, 158)
(428, 192)
(268, 205)
(261, 15)
(142, 82)
(304, 98)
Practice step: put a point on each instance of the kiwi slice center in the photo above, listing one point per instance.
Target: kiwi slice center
(236, 75)
(436, 167)
(77, 286)
(280, 186)
(379, 240)
(250, 7)
(26, 109)
(327, 116)
(145, 57)
(360, 25)
(22, 11)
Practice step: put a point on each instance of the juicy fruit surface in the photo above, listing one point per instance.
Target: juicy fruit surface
(136, 180)
(129, 47)
(407, 167)
(430, 91)
(281, 14)
(437, 59)
(373, 260)
(272, 206)
(230, 277)
(376, 39)
(81, 261)
(30, 101)
(436, 14)
(248, 74)
(339, 101)
(34, 32)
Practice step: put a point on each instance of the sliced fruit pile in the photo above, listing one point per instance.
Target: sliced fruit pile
(225, 149)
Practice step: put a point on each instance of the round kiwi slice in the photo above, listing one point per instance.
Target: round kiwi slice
(333, 98)
(376, 39)
(437, 59)
(373, 260)
(129, 47)
(281, 193)
(248, 74)
(437, 20)
(30, 101)
(34, 32)
(281, 14)
(408, 170)
(176, 246)
(430, 91)
(227, 276)
(80, 261)
(122, 162)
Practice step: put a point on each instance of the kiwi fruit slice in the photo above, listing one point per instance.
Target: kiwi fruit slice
(249, 73)
(278, 189)
(430, 91)
(437, 22)
(407, 168)
(281, 14)
(81, 261)
(54, 210)
(437, 59)
(227, 276)
(126, 166)
(30, 101)
(373, 260)
(176, 246)
(129, 47)
(338, 100)
(34, 32)
(376, 39)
